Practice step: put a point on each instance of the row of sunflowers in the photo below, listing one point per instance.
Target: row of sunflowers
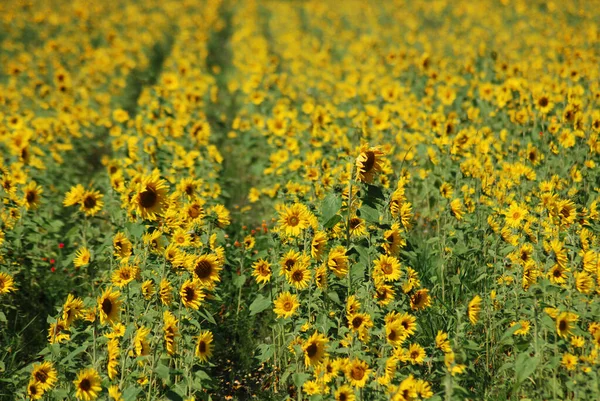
(279, 200)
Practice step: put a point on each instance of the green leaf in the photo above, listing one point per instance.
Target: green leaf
(370, 214)
(238, 281)
(331, 205)
(2, 318)
(300, 378)
(525, 365)
(162, 371)
(207, 315)
(260, 304)
(332, 221)
(131, 393)
(173, 396)
(266, 352)
(334, 297)
(73, 354)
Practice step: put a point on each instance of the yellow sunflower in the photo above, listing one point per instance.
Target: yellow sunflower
(286, 305)
(368, 163)
(91, 202)
(204, 347)
(7, 283)
(109, 306)
(32, 195)
(262, 271)
(315, 349)
(357, 372)
(299, 277)
(344, 393)
(294, 219)
(72, 309)
(87, 384)
(191, 294)
(82, 257)
(565, 323)
(473, 309)
(150, 197)
(34, 390)
(45, 375)
(387, 268)
(206, 269)
(338, 261)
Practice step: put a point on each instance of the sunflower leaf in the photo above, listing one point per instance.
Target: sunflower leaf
(331, 205)
(259, 304)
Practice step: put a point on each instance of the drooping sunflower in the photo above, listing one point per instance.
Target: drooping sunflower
(299, 277)
(368, 163)
(473, 309)
(121, 246)
(191, 294)
(150, 197)
(87, 384)
(204, 347)
(109, 306)
(286, 305)
(317, 246)
(457, 209)
(140, 341)
(315, 349)
(338, 261)
(112, 363)
(206, 269)
(321, 277)
(565, 323)
(357, 373)
(32, 194)
(165, 291)
(72, 309)
(387, 268)
(91, 202)
(262, 271)
(171, 332)
(45, 375)
(7, 283)
(294, 219)
(82, 257)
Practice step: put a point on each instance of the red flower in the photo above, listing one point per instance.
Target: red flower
(61, 245)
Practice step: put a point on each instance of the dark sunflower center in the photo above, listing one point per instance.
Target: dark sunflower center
(31, 195)
(543, 102)
(354, 222)
(370, 162)
(289, 263)
(85, 385)
(203, 269)
(189, 190)
(89, 202)
(202, 347)
(293, 221)
(343, 397)
(357, 322)
(311, 351)
(41, 376)
(287, 306)
(563, 325)
(189, 294)
(393, 335)
(387, 268)
(298, 276)
(357, 372)
(557, 273)
(148, 198)
(107, 306)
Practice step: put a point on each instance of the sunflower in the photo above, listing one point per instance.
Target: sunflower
(456, 207)
(569, 361)
(393, 240)
(121, 246)
(32, 195)
(194, 211)
(166, 292)
(317, 246)
(140, 341)
(286, 305)
(114, 393)
(290, 260)
(420, 300)
(262, 271)
(150, 197)
(221, 215)
(299, 277)
(314, 349)
(206, 269)
(384, 293)
(191, 294)
(395, 333)
(87, 384)
(514, 215)
(387, 268)
(57, 332)
(368, 163)
(416, 354)
(72, 309)
(204, 347)
(473, 309)
(82, 257)
(357, 372)
(124, 275)
(359, 322)
(357, 227)
(112, 358)
(321, 277)
(344, 393)
(109, 306)
(171, 332)
(34, 390)
(7, 283)
(148, 289)
(294, 219)
(338, 261)
(565, 323)
(45, 375)
(91, 202)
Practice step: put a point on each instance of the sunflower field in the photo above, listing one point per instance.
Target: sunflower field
(299, 200)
